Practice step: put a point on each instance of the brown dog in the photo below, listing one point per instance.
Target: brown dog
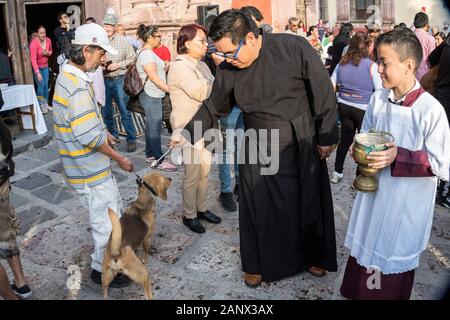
(135, 228)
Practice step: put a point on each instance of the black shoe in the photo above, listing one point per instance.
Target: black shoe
(131, 147)
(209, 216)
(119, 281)
(226, 199)
(236, 189)
(194, 225)
(23, 292)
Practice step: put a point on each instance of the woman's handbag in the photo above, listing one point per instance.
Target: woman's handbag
(134, 105)
(132, 84)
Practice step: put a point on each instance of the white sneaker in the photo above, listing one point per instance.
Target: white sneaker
(336, 177)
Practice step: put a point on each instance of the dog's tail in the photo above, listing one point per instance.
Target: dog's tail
(116, 234)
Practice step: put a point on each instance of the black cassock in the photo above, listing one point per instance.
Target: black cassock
(286, 220)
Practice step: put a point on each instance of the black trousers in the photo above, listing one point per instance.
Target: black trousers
(351, 121)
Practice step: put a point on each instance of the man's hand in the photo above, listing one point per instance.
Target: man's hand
(383, 159)
(125, 164)
(325, 151)
(113, 67)
(111, 140)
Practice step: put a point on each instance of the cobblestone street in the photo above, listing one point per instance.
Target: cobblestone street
(55, 235)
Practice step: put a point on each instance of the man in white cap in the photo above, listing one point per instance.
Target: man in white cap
(85, 146)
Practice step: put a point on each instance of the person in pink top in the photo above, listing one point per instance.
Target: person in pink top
(40, 51)
(428, 43)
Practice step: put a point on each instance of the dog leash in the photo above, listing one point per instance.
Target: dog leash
(141, 182)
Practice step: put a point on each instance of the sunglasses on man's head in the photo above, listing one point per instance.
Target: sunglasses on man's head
(233, 56)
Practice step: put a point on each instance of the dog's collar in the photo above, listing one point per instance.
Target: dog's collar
(140, 182)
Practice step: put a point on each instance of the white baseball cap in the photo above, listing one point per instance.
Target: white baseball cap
(93, 35)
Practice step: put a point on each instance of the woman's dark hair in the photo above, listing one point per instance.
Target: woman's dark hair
(253, 12)
(358, 49)
(232, 24)
(346, 30)
(40, 27)
(74, 53)
(144, 32)
(91, 19)
(405, 44)
(441, 35)
(187, 33)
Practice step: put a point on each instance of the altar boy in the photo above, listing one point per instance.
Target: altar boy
(390, 228)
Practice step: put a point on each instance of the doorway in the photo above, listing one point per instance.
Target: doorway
(46, 15)
(3, 33)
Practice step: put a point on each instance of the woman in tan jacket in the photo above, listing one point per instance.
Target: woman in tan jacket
(190, 82)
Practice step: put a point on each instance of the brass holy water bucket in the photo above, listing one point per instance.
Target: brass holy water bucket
(364, 144)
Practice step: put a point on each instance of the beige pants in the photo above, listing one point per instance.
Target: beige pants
(9, 224)
(197, 164)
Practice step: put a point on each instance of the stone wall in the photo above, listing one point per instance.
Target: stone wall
(170, 15)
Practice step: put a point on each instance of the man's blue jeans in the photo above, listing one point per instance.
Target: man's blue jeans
(114, 89)
(153, 115)
(233, 121)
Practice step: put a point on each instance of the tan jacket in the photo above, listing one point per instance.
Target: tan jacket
(190, 83)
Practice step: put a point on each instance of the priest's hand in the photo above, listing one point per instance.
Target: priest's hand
(325, 151)
(383, 159)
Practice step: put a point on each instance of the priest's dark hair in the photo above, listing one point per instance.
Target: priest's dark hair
(232, 24)
(253, 12)
(404, 43)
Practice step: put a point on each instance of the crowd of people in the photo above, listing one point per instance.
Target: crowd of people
(318, 93)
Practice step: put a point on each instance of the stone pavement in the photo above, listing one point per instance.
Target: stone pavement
(55, 240)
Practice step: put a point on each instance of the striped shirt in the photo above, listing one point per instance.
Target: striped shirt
(79, 129)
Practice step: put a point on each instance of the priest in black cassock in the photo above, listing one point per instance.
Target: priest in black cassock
(286, 219)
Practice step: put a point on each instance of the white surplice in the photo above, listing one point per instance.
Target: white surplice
(389, 229)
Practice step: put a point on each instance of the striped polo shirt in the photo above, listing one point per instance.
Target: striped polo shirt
(79, 129)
